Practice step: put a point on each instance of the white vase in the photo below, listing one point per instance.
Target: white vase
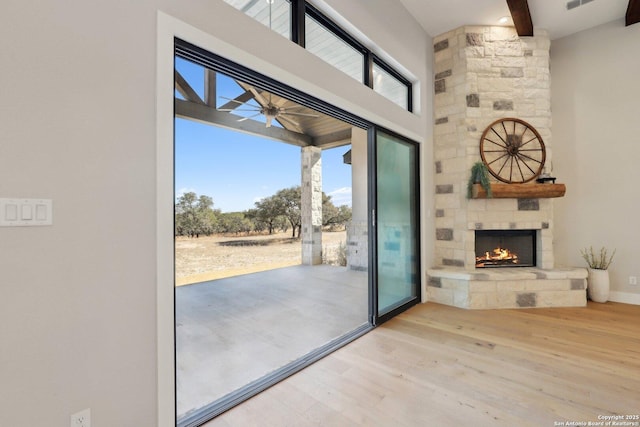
(598, 286)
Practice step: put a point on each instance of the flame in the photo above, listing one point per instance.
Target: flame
(497, 255)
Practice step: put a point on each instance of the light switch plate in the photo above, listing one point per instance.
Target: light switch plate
(25, 212)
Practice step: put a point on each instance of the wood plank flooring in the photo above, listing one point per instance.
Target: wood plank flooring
(441, 366)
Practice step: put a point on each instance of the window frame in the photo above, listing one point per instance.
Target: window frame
(299, 11)
(396, 75)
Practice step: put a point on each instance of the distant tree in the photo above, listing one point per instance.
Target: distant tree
(289, 202)
(333, 216)
(195, 215)
(268, 212)
(235, 222)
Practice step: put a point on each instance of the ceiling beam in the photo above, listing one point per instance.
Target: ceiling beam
(633, 12)
(185, 89)
(210, 87)
(207, 115)
(521, 17)
(332, 140)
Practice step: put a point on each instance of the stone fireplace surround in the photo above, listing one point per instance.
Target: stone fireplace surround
(481, 74)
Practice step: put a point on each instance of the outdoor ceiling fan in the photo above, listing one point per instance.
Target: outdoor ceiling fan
(268, 109)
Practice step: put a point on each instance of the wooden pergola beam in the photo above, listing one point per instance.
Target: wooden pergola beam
(521, 17)
(210, 87)
(633, 12)
(185, 89)
(204, 114)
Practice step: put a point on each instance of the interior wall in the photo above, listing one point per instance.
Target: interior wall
(594, 102)
(78, 125)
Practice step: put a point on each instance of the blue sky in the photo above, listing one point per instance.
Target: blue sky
(237, 169)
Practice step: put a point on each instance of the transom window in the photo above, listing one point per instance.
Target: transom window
(322, 37)
(332, 49)
(389, 86)
(275, 14)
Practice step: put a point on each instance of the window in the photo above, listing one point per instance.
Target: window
(322, 37)
(275, 14)
(390, 86)
(333, 50)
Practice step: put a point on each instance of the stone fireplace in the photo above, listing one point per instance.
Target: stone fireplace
(482, 74)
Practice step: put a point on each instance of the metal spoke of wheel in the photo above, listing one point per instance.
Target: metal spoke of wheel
(506, 144)
(519, 168)
(511, 171)
(505, 163)
(532, 139)
(524, 156)
(499, 145)
(498, 158)
(525, 163)
(504, 128)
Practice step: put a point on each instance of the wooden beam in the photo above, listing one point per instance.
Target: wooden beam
(633, 12)
(332, 140)
(210, 88)
(521, 17)
(520, 191)
(185, 89)
(207, 115)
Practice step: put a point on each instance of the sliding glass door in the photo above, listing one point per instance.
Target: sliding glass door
(395, 225)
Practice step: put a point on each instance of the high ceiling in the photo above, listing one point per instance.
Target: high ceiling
(440, 16)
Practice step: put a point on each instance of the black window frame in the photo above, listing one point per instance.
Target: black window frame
(396, 75)
(301, 8)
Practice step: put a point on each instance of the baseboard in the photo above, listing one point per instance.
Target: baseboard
(624, 297)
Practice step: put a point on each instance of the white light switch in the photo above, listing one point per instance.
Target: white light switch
(41, 212)
(25, 212)
(11, 212)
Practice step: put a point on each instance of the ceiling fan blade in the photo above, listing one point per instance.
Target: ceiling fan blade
(247, 118)
(238, 109)
(300, 114)
(288, 120)
(232, 100)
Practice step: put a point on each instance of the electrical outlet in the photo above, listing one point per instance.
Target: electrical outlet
(633, 280)
(81, 419)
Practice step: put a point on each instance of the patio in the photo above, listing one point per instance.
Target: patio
(230, 332)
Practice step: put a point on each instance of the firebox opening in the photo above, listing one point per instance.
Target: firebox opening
(505, 248)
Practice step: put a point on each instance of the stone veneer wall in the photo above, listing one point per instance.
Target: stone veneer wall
(482, 74)
(357, 245)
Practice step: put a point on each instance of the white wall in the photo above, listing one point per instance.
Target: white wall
(78, 125)
(596, 147)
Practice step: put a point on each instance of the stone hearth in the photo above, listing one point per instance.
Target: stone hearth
(482, 74)
(507, 287)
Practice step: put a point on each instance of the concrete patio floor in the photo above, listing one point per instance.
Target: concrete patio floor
(232, 331)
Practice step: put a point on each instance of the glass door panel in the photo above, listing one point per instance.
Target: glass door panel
(396, 224)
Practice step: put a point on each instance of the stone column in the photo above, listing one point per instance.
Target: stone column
(311, 204)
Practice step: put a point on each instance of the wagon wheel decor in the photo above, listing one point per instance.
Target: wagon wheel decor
(512, 150)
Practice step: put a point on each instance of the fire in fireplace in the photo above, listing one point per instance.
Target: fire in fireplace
(505, 248)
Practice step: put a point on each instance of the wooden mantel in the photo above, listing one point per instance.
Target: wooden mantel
(520, 191)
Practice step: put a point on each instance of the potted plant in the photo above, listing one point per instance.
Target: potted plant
(598, 281)
(479, 175)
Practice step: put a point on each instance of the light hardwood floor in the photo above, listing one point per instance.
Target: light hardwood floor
(441, 366)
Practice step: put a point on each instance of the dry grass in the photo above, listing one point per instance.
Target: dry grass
(216, 257)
